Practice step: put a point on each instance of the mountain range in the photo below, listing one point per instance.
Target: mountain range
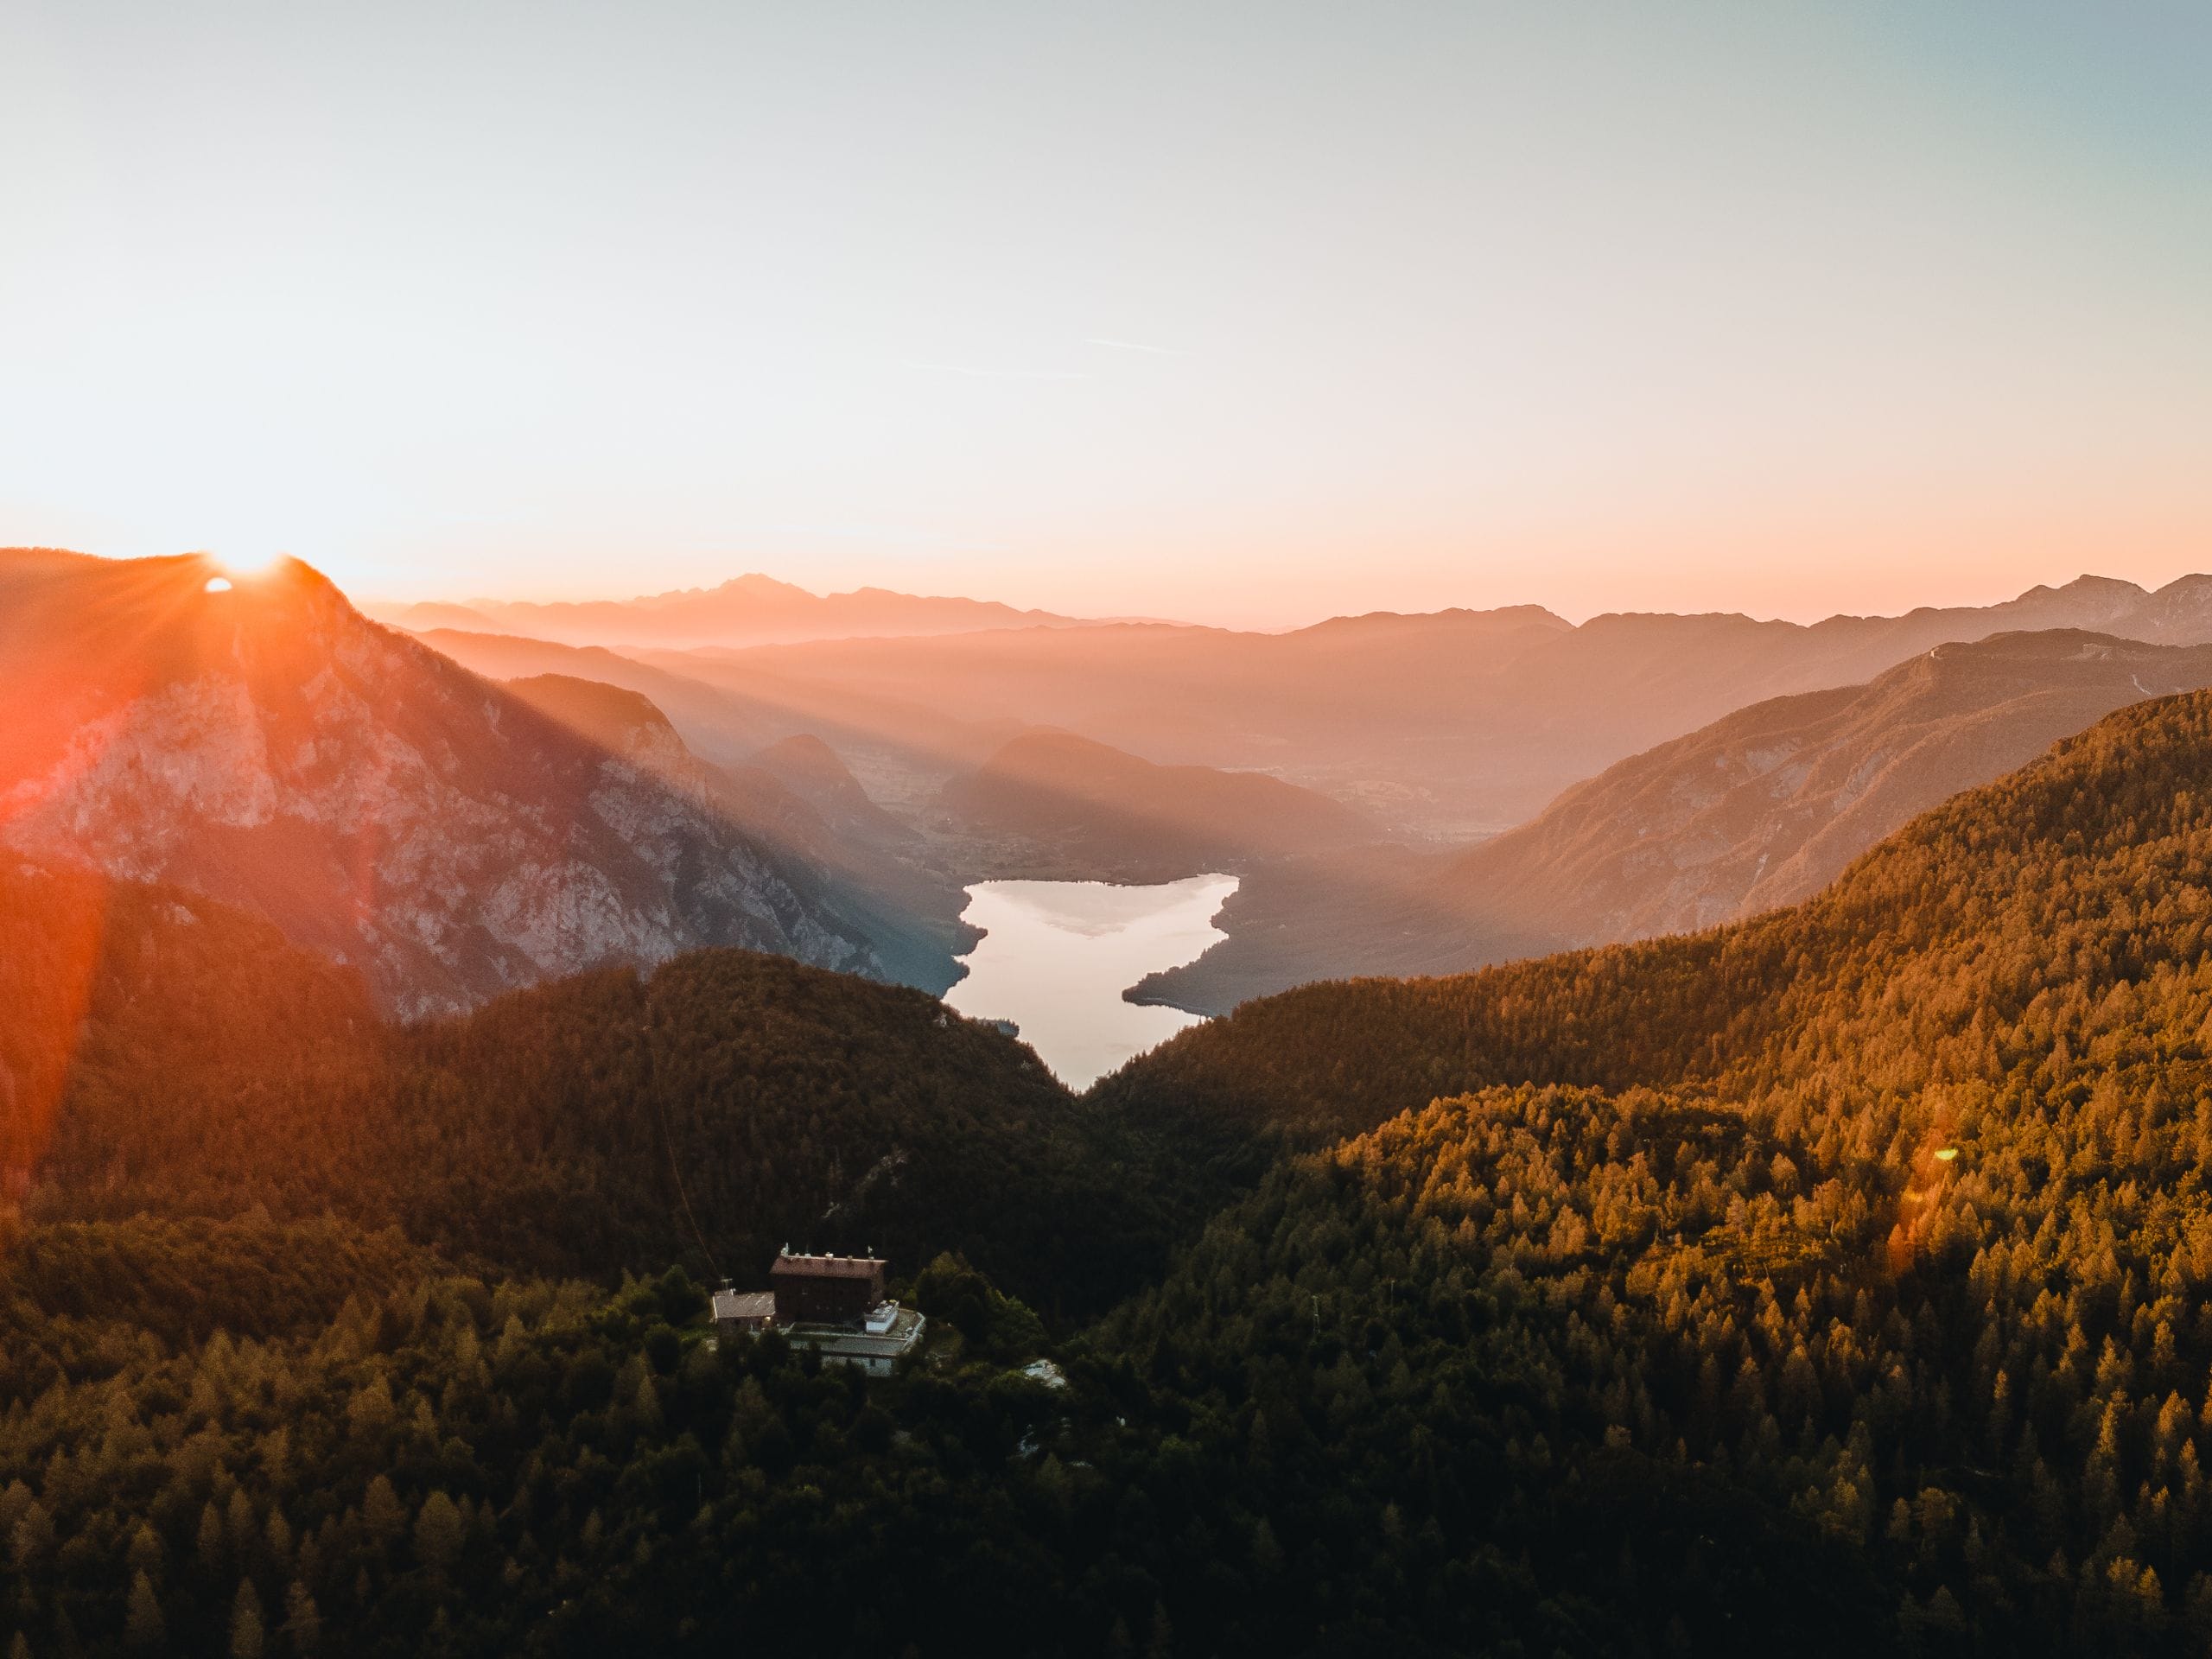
(1446, 726)
(262, 741)
(728, 709)
(1757, 811)
(746, 610)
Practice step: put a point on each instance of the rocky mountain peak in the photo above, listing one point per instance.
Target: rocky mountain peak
(256, 737)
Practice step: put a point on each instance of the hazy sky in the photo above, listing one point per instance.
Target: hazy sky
(1241, 313)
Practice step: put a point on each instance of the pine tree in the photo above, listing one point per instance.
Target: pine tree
(303, 1623)
(382, 1511)
(208, 1542)
(31, 1539)
(440, 1532)
(246, 1638)
(143, 1627)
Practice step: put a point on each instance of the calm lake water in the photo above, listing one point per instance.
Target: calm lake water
(1058, 954)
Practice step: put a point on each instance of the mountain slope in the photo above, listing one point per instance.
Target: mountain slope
(795, 798)
(814, 771)
(1365, 911)
(1767, 806)
(719, 727)
(626, 725)
(151, 1029)
(261, 741)
(910, 914)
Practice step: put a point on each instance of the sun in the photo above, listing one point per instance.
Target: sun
(250, 564)
(229, 571)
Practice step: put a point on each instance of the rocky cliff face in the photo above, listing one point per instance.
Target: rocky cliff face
(258, 739)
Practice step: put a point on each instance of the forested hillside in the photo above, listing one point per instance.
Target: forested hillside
(1838, 1280)
(453, 1466)
(142, 1021)
(165, 1056)
(1890, 1209)
(799, 1106)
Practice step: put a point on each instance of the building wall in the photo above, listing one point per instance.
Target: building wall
(814, 1299)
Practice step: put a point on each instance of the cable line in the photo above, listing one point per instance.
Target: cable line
(668, 1139)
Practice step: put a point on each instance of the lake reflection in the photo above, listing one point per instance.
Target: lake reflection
(1058, 954)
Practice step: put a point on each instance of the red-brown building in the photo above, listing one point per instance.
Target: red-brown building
(825, 1289)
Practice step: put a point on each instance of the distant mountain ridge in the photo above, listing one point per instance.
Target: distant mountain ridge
(1144, 822)
(1762, 807)
(261, 741)
(1765, 807)
(1958, 948)
(1450, 724)
(728, 710)
(746, 610)
(810, 769)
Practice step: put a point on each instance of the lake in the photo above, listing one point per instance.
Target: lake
(1057, 956)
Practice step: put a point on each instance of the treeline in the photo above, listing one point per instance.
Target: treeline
(83, 1301)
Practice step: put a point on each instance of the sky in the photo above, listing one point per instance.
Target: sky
(1247, 314)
